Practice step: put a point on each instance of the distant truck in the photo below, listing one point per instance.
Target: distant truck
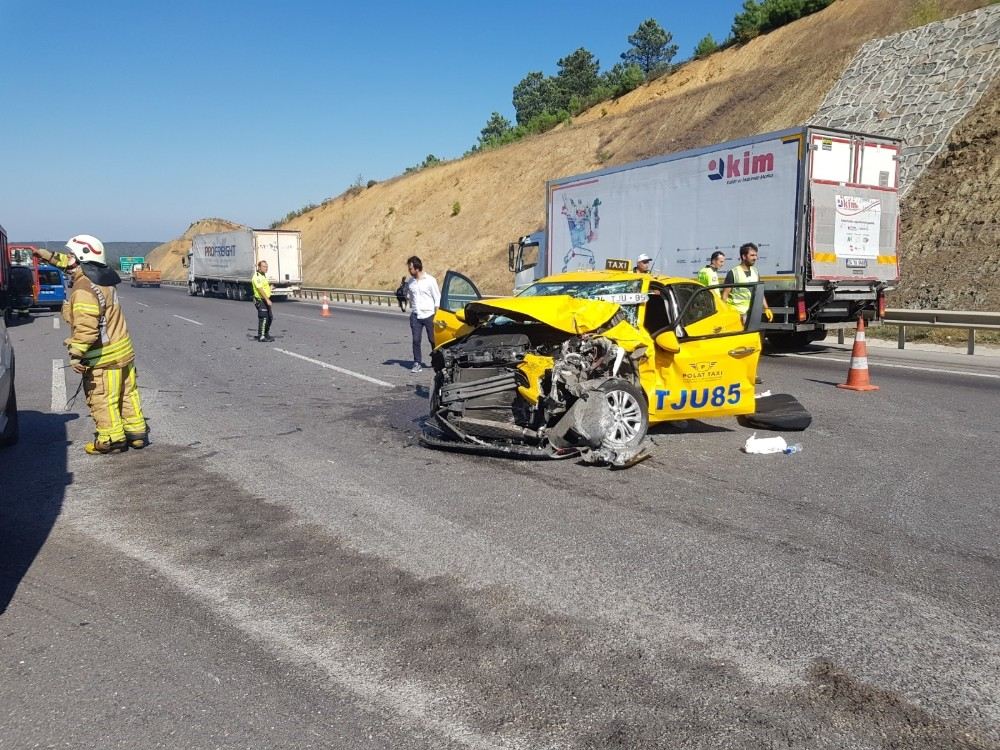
(222, 263)
(24, 285)
(144, 275)
(822, 205)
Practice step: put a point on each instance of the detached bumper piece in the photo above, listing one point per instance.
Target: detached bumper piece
(437, 441)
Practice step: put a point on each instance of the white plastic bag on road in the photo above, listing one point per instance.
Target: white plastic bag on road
(755, 444)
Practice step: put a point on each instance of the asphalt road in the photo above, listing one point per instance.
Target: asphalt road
(286, 567)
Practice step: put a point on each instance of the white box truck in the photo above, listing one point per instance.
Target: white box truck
(822, 206)
(222, 263)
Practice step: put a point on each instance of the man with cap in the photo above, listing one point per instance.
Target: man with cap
(100, 348)
(643, 264)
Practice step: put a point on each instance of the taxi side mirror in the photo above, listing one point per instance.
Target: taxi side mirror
(667, 341)
(460, 314)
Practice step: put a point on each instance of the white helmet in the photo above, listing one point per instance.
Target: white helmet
(87, 249)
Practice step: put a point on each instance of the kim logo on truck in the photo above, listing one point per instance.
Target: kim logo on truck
(734, 168)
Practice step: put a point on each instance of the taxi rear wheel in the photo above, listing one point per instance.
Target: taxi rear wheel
(629, 415)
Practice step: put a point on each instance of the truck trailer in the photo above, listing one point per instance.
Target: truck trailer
(222, 263)
(822, 206)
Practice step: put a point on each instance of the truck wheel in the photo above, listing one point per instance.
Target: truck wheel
(12, 430)
(241, 293)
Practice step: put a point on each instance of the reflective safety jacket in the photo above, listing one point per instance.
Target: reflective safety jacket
(100, 337)
(261, 286)
(708, 276)
(739, 298)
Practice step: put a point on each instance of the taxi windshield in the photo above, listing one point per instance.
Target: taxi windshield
(621, 292)
(626, 293)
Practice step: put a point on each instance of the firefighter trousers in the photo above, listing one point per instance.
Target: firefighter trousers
(114, 403)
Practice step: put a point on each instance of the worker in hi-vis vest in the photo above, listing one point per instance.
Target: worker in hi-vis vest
(709, 275)
(262, 301)
(739, 298)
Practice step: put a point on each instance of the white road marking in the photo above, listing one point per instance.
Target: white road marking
(341, 370)
(898, 367)
(58, 387)
(55, 323)
(188, 320)
(141, 303)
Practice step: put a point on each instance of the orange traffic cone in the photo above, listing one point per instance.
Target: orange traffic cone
(326, 307)
(857, 375)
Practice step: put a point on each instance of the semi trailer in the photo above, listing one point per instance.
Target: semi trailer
(822, 206)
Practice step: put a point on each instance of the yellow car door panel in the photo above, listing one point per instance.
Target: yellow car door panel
(456, 292)
(710, 377)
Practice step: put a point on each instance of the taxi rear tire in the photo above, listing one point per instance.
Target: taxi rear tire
(630, 415)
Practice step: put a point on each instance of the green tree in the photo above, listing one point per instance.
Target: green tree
(747, 25)
(763, 16)
(577, 77)
(706, 46)
(651, 47)
(496, 129)
(535, 94)
(623, 78)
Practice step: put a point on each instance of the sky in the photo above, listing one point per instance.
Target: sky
(129, 120)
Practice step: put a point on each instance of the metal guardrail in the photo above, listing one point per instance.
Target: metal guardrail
(334, 294)
(970, 320)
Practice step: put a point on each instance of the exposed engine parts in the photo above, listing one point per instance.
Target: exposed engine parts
(546, 394)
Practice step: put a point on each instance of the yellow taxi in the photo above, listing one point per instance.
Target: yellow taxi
(581, 363)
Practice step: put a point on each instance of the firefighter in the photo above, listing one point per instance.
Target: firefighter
(100, 348)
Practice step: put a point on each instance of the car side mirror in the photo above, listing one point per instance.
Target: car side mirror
(460, 314)
(667, 341)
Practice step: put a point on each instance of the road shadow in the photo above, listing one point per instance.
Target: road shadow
(15, 321)
(822, 382)
(686, 426)
(33, 480)
(406, 364)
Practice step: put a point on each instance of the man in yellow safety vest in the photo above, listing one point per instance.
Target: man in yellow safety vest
(709, 275)
(739, 298)
(262, 301)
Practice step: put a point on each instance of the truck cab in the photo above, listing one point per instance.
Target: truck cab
(526, 259)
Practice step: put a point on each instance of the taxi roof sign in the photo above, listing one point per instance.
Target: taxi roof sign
(616, 264)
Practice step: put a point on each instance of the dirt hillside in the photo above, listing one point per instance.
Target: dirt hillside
(951, 220)
(167, 257)
(462, 214)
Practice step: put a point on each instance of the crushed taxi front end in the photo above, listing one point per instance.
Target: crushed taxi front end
(542, 377)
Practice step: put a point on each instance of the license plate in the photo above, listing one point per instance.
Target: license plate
(857, 263)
